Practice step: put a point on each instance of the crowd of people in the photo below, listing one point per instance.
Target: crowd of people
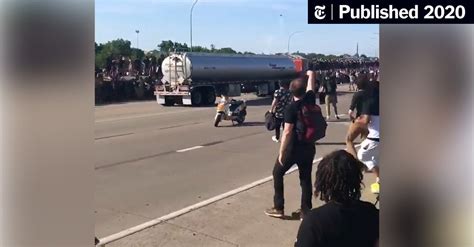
(342, 63)
(344, 219)
(125, 66)
(126, 79)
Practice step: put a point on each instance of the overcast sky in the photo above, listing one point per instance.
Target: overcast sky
(245, 25)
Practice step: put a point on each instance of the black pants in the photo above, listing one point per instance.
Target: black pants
(303, 157)
(278, 123)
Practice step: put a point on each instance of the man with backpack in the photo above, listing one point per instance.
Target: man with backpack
(330, 88)
(304, 125)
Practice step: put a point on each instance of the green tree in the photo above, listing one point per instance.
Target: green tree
(137, 53)
(166, 46)
(154, 53)
(227, 50)
(200, 49)
(112, 50)
(169, 46)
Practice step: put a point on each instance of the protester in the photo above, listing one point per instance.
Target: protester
(147, 65)
(352, 79)
(343, 63)
(121, 65)
(293, 150)
(330, 88)
(282, 98)
(369, 120)
(344, 220)
(359, 98)
(137, 66)
(153, 66)
(129, 66)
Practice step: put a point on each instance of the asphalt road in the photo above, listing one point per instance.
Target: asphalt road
(152, 160)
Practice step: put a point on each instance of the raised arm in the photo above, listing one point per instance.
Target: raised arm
(311, 80)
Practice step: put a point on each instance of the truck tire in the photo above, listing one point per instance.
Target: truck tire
(196, 97)
(217, 120)
(169, 101)
(210, 98)
(241, 118)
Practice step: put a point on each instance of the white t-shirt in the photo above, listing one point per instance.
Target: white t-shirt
(374, 127)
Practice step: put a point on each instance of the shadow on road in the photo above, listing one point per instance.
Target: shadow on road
(245, 124)
(124, 102)
(341, 120)
(260, 102)
(252, 124)
(341, 93)
(293, 216)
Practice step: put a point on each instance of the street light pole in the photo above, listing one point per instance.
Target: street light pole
(191, 25)
(137, 31)
(289, 40)
(378, 41)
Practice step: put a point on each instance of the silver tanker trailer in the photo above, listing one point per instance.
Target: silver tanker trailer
(197, 78)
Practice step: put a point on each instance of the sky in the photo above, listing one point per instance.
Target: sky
(259, 26)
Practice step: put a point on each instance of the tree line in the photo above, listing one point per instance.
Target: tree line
(118, 48)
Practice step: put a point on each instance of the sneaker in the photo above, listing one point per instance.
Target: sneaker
(337, 117)
(375, 188)
(273, 212)
(274, 138)
(327, 118)
(300, 213)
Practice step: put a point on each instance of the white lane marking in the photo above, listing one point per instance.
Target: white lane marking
(170, 216)
(146, 115)
(188, 149)
(132, 230)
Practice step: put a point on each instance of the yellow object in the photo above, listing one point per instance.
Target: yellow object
(375, 188)
(220, 107)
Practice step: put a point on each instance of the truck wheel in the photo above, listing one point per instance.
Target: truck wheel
(196, 97)
(241, 118)
(169, 101)
(210, 97)
(217, 120)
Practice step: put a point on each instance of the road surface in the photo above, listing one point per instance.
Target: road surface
(152, 160)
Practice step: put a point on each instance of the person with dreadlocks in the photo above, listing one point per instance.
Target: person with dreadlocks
(344, 220)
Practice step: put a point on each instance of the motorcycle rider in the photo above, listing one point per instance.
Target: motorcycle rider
(225, 99)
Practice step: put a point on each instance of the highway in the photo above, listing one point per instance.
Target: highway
(152, 160)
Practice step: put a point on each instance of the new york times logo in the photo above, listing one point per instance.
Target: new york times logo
(319, 12)
(390, 11)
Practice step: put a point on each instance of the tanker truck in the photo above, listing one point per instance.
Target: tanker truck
(198, 78)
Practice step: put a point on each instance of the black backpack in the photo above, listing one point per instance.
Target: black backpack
(311, 125)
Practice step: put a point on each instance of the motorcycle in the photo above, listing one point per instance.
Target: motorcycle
(235, 110)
